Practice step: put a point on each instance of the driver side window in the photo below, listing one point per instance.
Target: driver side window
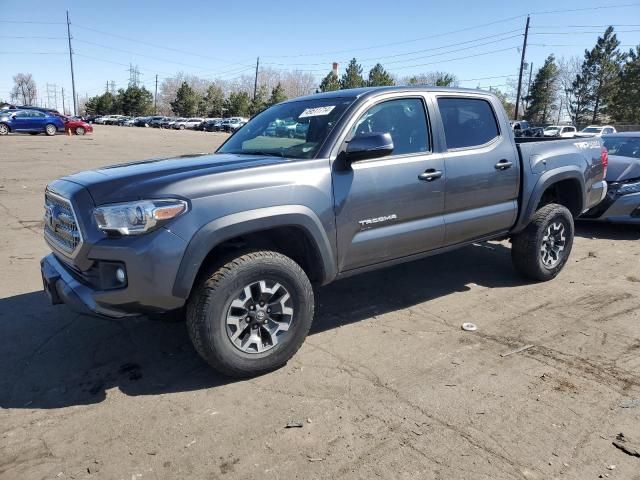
(404, 119)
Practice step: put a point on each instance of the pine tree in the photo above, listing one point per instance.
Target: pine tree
(352, 77)
(541, 98)
(330, 83)
(186, 102)
(379, 77)
(277, 95)
(604, 63)
(259, 102)
(238, 104)
(580, 97)
(212, 103)
(625, 104)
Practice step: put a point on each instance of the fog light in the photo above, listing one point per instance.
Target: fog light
(120, 275)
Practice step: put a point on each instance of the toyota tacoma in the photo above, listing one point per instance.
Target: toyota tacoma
(237, 240)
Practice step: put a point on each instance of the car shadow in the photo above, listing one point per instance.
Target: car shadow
(608, 231)
(53, 358)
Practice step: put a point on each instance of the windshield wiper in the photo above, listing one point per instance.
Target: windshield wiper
(259, 152)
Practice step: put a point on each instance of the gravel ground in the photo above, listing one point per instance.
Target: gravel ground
(387, 385)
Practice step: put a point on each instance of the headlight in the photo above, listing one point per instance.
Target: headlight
(135, 218)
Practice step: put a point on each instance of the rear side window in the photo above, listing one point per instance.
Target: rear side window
(468, 122)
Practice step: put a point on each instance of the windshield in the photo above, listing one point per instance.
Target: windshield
(292, 129)
(551, 129)
(623, 146)
(592, 130)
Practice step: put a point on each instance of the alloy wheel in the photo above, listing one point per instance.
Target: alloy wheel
(259, 317)
(553, 244)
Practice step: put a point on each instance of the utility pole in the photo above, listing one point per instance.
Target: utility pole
(255, 84)
(524, 50)
(64, 110)
(155, 98)
(73, 80)
(529, 83)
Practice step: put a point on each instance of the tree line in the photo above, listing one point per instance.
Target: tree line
(379, 77)
(188, 102)
(602, 86)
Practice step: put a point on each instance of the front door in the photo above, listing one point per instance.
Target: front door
(483, 170)
(21, 121)
(390, 207)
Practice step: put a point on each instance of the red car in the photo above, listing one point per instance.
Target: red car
(78, 127)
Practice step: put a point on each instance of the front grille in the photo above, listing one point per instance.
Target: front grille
(60, 225)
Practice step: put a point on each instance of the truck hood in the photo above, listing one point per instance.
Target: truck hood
(159, 176)
(622, 168)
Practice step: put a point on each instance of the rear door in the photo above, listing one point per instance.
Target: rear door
(482, 168)
(386, 208)
(38, 121)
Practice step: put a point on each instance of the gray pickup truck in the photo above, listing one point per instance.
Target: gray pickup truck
(238, 239)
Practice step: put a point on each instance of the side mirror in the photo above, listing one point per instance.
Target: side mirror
(369, 145)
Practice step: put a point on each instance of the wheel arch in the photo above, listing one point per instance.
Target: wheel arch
(563, 186)
(294, 230)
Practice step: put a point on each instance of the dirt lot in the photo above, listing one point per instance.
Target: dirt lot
(387, 385)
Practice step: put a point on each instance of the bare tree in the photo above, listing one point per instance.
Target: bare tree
(572, 103)
(24, 89)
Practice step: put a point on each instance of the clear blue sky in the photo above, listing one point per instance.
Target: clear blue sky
(216, 39)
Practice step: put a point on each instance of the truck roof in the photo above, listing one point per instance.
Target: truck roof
(366, 91)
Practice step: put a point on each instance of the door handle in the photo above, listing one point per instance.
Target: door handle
(430, 175)
(503, 164)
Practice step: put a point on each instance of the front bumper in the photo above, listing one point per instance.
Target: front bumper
(85, 278)
(151, 264)
(62, 287)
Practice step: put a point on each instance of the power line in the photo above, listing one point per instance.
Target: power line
(157, 46)
(568, 10)
(137, 54)
(579, 33)
(31, 22)
(33, 37)
(378, 58)
(399, 42)
(33, 53)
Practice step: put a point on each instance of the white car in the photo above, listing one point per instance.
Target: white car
(596, 131)
(188, 123)
(563, 131)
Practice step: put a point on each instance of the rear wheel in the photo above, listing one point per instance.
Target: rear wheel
(251, 315)
(4, 130)
(181, 127)
(80, 131)
(50, 129)
(542, 249)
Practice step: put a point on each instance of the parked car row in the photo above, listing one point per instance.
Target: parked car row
(522, 128)
(176, 123)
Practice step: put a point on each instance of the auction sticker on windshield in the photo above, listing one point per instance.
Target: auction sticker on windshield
(317, 112)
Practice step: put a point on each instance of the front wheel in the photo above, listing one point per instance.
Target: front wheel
(252, 314)
(542, 249)
(4, 130)
(50, 129)
(80, 131)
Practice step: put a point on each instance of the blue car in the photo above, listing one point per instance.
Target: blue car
(30, 121)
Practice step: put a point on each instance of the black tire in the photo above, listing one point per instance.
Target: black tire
(4, 129)
(211, 300)
(526, 250)
(181, 127)
(50, 129)
(80, 131)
